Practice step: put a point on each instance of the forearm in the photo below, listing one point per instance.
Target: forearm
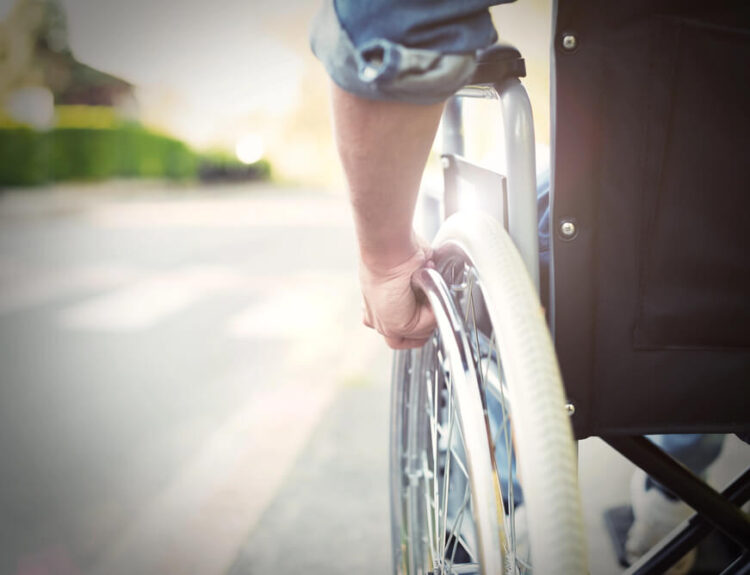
(383, 148)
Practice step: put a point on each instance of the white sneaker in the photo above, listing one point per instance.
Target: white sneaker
(655, 516)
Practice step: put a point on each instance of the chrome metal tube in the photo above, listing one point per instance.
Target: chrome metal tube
(521, 174)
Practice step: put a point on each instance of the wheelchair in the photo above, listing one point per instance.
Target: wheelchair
(645, 327)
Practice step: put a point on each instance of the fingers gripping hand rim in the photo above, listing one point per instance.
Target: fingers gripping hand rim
(393, 306)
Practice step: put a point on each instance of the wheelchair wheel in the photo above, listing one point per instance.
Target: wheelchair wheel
(483, 465)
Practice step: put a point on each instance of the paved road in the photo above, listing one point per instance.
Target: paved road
(185, 388)
(165, 358)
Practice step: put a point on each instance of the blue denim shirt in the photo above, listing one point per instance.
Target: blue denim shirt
(417, 51)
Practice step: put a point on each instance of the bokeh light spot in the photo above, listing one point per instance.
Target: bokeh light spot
(249, 149)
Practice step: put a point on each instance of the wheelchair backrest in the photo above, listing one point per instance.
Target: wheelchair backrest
(651, 157)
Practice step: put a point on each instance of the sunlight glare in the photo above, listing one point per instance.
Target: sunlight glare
(249, 149)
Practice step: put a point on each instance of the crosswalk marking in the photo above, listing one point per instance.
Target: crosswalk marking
(23, 289)
(301, 308)
(290, 306)
(208, 213)
(141, 305)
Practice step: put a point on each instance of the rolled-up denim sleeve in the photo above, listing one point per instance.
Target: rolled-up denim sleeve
(417, 51)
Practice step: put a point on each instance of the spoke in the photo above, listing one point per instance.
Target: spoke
(429, 474)
(428, 511)
(505, 411)
(489, 356)
(457, 523)
(435, 463)
(465, 568)
(497, 396)
(511, 485)
(461, 465)
(432, 401)
(507, 435)
(459, 462)
(476, 337)
(466, 547)
(511, 504)
(446, 476)
(429, 399)
(470, 301)
(452, 275)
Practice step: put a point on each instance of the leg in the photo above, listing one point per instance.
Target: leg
(695, 450)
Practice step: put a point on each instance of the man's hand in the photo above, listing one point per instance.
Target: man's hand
(391, 306)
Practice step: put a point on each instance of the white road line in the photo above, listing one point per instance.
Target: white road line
(303, 308)
(223, 213)
(301, 305)
(142, 305)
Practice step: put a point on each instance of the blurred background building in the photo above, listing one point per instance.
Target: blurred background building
(36, 55)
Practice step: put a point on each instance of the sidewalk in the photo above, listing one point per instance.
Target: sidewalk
(331, 515)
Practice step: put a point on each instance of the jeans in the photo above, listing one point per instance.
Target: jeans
(696, 451)
(414, 51)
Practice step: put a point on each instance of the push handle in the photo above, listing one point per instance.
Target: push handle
(497, 64)
(497, 77)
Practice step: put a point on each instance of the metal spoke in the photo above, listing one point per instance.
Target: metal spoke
(489, 356)
(435, 463)
(428, 511)
(507, 434)
(432, 380)
(465, 568)
(476, 336)
(459, 538)
(459, 462)
(458, 522)
(446, 476)
(428, 407)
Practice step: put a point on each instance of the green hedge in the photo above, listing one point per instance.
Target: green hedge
(24, 157)
(28, 157)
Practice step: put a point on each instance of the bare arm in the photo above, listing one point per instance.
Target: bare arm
(383, 148)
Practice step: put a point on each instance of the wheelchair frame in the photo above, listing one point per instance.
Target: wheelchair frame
(497, 77)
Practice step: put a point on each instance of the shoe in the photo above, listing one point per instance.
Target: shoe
(655, 516)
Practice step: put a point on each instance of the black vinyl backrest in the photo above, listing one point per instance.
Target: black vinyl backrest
(652, 151)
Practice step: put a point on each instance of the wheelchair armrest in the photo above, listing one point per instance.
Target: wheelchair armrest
(497, 64)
